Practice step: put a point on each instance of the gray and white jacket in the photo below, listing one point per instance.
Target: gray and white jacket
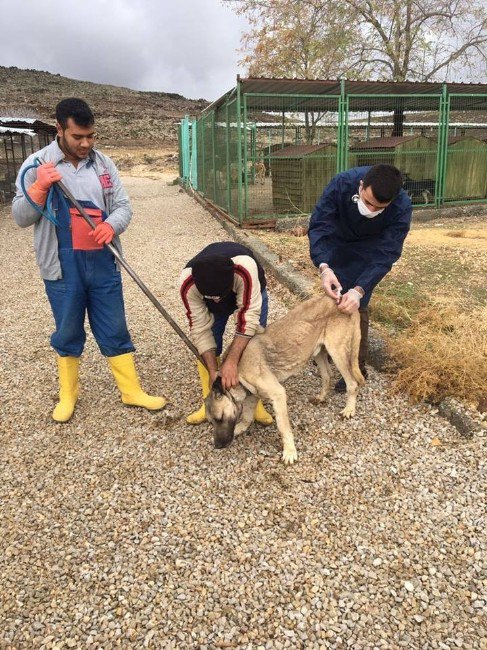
(117, 207)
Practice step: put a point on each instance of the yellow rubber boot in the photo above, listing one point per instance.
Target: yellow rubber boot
(123, 369)
(199, 416)
(68, 368)
(261, 415)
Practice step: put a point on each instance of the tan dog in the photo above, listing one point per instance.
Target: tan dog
(313, 329)
(260, 172)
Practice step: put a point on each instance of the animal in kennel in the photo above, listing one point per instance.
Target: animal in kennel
(418, 189)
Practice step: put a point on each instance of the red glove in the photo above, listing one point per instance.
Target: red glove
(47, 174)
(103, 233)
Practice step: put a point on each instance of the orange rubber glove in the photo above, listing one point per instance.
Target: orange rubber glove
(47, 174)
(103, 233)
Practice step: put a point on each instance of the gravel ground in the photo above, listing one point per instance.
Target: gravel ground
(127, 529)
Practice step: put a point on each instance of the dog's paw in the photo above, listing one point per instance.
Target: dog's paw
(348, 412)
(289, 455)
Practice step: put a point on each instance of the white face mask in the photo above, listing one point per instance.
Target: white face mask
(362, 208)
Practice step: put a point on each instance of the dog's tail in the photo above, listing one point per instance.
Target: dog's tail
(356, 372)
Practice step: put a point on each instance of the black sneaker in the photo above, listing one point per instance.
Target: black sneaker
(341, 387)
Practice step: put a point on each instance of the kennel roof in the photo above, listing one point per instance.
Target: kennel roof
(10, 131)
(31, 124)
(301, 150)
(311, 94)
(385, 143)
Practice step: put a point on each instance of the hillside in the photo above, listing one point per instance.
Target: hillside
(123, 116)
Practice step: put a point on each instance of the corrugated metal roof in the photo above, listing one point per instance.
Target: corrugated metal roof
(328, 92)
(27, 123)
(385, 143)
(27, 120)
(299, 150)
(453, 139)
(11, 131)
(328, 87)
(289, 86)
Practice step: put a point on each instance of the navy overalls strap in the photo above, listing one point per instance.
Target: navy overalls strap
(90, 284)
(72, 231)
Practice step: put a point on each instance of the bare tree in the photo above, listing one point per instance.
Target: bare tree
(432, 40)
(396, 40)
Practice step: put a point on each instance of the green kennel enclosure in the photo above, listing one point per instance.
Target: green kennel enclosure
(267, 148)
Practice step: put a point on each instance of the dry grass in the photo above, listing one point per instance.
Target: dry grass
(432, 310)
(467, 234)
(457, 233)
(142, 161)
(443, 353)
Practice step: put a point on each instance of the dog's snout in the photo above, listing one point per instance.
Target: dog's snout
(221, 444)
(222, 438)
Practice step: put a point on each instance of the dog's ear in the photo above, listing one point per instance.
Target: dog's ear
(239, 393)
(217, 387)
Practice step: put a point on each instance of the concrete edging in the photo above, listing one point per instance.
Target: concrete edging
(449, 408)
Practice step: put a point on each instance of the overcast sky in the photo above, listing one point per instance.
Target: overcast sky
(183, 46)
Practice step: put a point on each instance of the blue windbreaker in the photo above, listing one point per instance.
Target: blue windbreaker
(359, 250)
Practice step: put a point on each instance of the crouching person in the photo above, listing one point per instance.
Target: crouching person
(223, 279)
(80, 274)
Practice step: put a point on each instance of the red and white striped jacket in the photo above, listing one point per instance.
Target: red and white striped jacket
(247, 290)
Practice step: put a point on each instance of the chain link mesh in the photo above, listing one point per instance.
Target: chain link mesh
(265, 156)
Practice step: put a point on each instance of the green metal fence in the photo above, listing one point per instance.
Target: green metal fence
(260, 154)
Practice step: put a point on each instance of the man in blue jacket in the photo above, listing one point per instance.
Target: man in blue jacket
(356, 233)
